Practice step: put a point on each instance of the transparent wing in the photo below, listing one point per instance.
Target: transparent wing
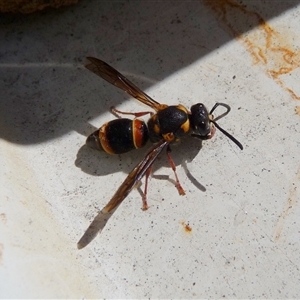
(112, 76)
(135, 176)
(132, 179)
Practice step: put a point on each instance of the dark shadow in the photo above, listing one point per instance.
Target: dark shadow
(192, 178)
(45, 91)
(99, 163)
(95, 228)
(186, 151)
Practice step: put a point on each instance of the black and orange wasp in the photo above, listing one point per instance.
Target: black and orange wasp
(165, 126)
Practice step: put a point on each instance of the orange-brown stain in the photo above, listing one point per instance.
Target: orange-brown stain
(187, 228)
(268, 48)
(3, 218)
(297, 110)
(289, 205)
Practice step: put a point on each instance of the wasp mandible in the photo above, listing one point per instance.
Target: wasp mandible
(166, 125)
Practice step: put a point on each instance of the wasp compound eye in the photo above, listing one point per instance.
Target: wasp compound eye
(200, 119)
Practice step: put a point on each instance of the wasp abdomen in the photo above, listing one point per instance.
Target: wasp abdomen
(119, 136)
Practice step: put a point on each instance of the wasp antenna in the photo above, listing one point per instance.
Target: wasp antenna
(228, 135)
(222, 115)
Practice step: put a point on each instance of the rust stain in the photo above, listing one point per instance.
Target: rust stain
(297, 110)
(267, 46)
(187, 227)
(3, 218)
(291, 202)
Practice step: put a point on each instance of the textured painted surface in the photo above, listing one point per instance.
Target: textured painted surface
(236, 232)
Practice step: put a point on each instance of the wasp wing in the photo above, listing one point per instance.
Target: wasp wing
(129, 183)
(112, 76)
(135, 176)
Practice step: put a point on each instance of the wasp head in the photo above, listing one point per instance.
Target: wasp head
(200, 121)
(203, 122)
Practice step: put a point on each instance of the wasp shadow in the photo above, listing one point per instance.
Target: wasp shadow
(184, 151)
(95, 228)
(99, 163)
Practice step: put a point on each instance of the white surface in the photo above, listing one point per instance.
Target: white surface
(244, 241)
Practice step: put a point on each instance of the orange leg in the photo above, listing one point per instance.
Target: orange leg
(144, 197)
(172, 164)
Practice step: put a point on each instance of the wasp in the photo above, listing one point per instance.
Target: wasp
(166, 125)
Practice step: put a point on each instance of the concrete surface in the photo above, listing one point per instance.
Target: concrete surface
(238, 237)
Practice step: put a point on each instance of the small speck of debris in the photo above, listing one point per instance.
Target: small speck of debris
(234, 77)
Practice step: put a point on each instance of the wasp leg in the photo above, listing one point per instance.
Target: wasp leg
(117, 113)
(172, 164)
